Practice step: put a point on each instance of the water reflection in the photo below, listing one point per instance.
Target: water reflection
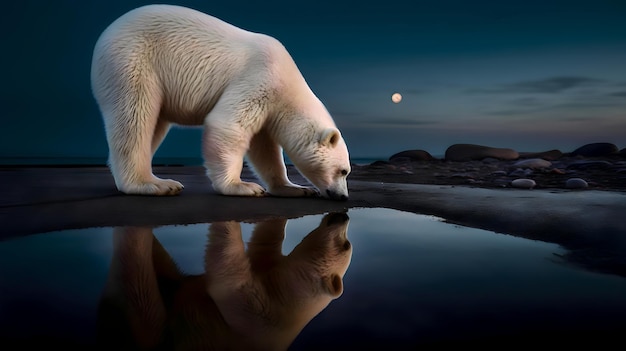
(248, 298)
(413, 281)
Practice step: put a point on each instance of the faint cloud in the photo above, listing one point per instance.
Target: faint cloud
(405, 122)
(512, 112)
(536, 110)
(578, 119)
(551, 85)
(618, 94)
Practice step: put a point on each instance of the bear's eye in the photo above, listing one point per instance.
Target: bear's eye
(344, 172)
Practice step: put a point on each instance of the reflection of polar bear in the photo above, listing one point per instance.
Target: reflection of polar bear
(247, 300)
(160, 64)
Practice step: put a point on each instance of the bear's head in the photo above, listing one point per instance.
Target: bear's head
(325, 163)
(266, 297)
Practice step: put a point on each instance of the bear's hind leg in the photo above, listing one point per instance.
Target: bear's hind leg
(132, 138)
(267, 159)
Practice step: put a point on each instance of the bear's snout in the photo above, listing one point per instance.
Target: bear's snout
(333, 195)
(337, 218)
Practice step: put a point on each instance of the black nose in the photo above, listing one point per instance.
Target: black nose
(333, 195)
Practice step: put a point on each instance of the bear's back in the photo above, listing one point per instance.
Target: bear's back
(169, 27)
(168, 19)
(192, 56)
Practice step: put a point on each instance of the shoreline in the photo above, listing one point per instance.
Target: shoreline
(49, 199)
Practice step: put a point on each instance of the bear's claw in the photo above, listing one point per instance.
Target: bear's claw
(293, 191)
(157, 186)
(241, 189)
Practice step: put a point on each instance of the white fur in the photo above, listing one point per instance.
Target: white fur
(160, 65)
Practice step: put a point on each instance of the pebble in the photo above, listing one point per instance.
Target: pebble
(557, 171)
(523, 183)
(576, 183)
(587, 164)
(519, 172)
(533, 163)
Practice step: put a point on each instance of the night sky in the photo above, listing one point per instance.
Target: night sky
(529, 75)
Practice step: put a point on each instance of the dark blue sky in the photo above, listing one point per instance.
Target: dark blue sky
(530, 75)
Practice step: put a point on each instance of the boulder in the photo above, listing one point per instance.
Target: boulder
(469, 152)
(550, 155)
(596, 150)
(413, 155)
(589, 164)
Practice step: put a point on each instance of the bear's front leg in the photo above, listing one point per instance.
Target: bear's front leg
(223, 155)
(267, 159)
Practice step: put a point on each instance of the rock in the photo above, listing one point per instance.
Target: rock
(533, 163)
(557, 171)
(463, 175)
(576, 183)
(596, 150)
(550, 155)
(379, 163)
(468, 152)
(399, 160)
(520, 172)
(490, 160)
(592, 164)
(414, 155)
(523, 183)
(500, 183)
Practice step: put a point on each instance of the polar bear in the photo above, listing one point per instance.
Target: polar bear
(247, 299)
(159, 65)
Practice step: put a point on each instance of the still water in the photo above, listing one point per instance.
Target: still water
(380, 279)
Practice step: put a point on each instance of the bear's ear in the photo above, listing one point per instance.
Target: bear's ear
(334, 285)
(330, 137)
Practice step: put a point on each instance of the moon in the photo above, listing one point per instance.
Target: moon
(396, 98)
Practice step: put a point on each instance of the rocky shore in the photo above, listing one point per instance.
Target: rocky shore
(597, 166)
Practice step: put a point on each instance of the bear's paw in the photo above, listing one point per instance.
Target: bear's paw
(241, 189)
(293, 190)
(156, 186)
